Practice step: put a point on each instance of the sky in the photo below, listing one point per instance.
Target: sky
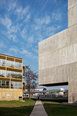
(24, 23)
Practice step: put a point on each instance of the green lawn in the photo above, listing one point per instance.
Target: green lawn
(16, 108)
(57, 109)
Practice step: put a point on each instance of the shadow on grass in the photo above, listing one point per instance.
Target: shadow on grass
(16, 111)
(55, 99)
(60, 110)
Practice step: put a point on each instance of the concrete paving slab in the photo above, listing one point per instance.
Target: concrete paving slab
(38, 110)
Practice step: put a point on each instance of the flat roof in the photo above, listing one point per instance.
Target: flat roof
(10, 56)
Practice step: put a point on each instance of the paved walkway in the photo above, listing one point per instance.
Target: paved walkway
(38, 109)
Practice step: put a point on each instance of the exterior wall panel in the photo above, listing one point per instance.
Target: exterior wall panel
(72, 14)
(10, 94)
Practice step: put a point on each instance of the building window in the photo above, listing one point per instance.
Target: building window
(4, 84)
(2, 73)
(16, 85)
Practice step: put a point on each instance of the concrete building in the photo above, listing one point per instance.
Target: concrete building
(58, 56)
(11, 77)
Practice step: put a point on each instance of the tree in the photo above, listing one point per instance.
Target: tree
(31, 79)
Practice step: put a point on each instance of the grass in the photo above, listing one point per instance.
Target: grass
(57, 109)
(16, 108)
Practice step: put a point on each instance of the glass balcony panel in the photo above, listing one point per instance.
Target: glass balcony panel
(2, 73)
(2, 62)
(8, 73)
(13, 74)
(10, 64)
(18, 65)
(16, 75)
(19, 75)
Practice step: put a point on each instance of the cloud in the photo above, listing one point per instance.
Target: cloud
(41, 21)
(25, 52)
(12, 5)
(14, 49)
(22, 12)
(45, 32)
(47, 20)
(31, 39)
(8, 5)
(11, 30)
(24, 33)
(6, 22)
(27, 18)
(57, 16)
(12, 36)
(49, 31)
(28, 54)
(35, 50)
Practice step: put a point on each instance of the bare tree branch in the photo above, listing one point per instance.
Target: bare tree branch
(31, 79)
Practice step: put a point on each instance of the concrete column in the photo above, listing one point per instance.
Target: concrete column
(72, 92)
(72, 14)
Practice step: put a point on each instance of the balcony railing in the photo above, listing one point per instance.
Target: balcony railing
(14, 74)
(10, 64)
(2, 62)
(2, 73)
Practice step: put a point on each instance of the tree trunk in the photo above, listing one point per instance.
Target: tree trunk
(29, 94)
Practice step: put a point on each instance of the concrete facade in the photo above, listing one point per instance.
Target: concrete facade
(58, 56)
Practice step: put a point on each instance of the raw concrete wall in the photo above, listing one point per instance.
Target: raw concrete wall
(72, 12)
(58, 56)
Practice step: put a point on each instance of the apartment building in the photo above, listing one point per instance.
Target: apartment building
(11, 77)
